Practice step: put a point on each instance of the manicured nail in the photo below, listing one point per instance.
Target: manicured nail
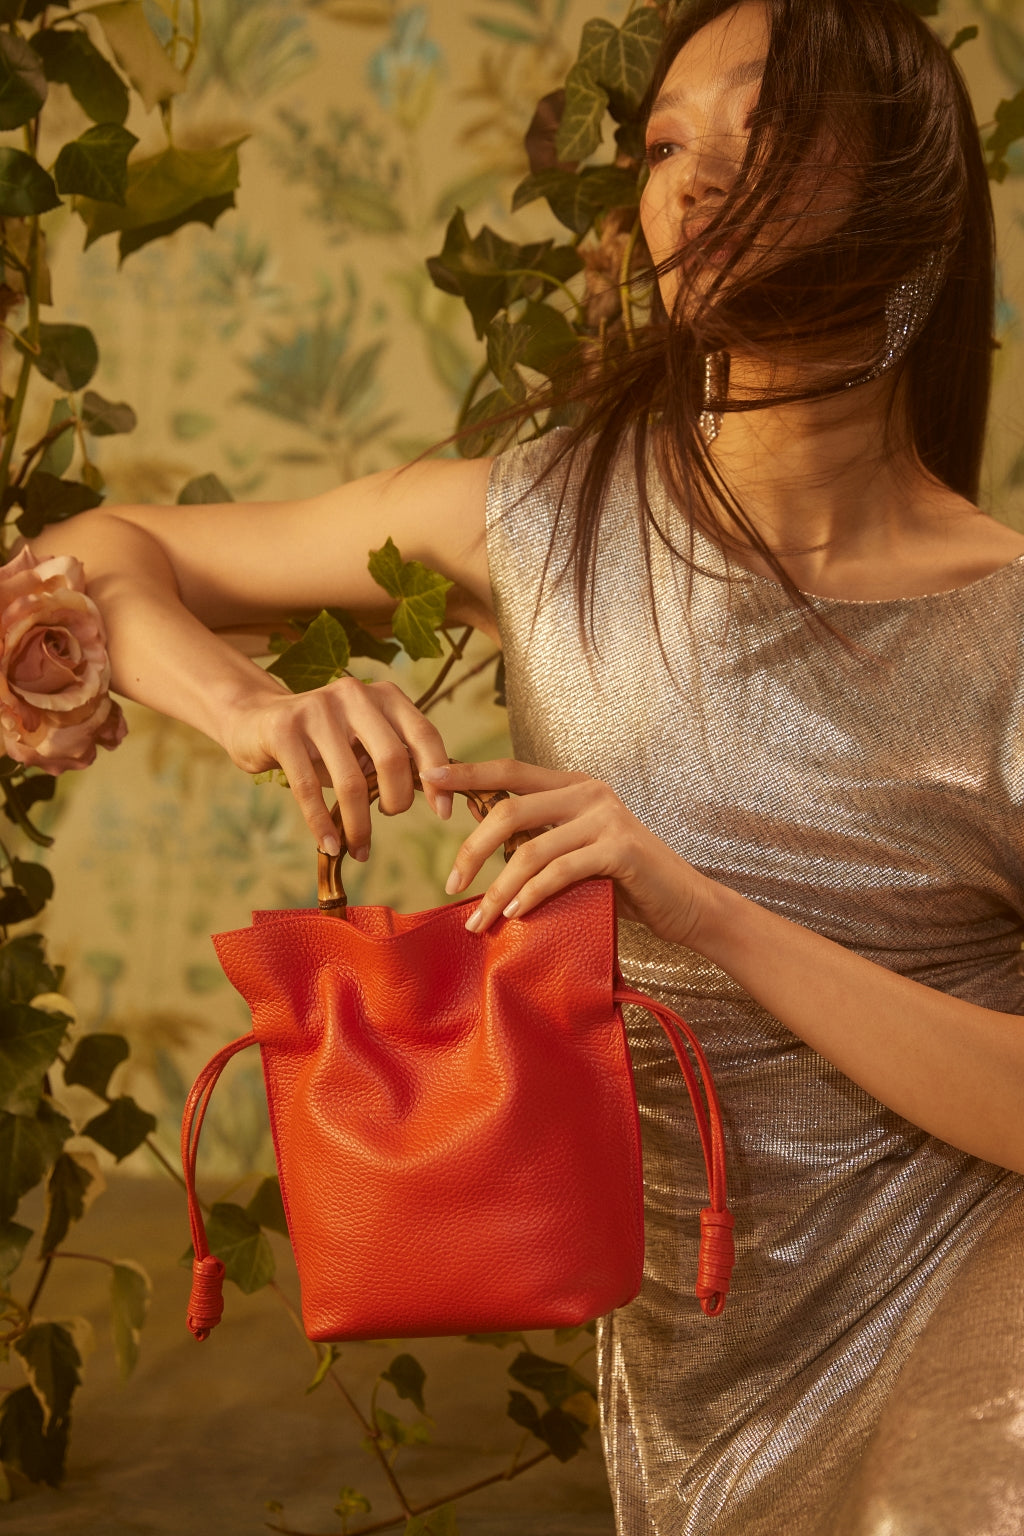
(331, 844)
(443, 807)
(361, 854)
(512, 908)
(474, 922)
(453, 883)
(434, 775)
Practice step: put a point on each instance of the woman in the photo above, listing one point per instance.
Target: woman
(812, 805)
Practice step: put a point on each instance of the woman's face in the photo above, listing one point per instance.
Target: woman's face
(697, 139)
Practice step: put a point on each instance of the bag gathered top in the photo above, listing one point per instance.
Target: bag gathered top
(453, 1115)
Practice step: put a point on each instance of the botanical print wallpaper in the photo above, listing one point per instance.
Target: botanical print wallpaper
(297, 343)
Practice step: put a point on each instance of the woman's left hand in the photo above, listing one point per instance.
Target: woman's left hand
(587, 832)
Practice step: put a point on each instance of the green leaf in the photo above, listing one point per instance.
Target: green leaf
(204, 490)
(121, 1128)
(29, 1042)
(14, 1239)
(244, 1250)
(267, 1208)
(22, 82)
(37, 1452)
(130, 1291)
(361, 642)
(396, 1432)
(48, 499)
(318, 658)
(490, 273)
(53, 1365)
(25, 188)
(137, 49)
(207, 212)
(24, 794)
(965, 35)
(579, 132)
(75, 1181)
(620, 60)
(407, 1377)
(489, 436)
(578, 199)
(96, 163)
(106, 418)
(57, 457)
(70, 59)
(442, 1521)
(329, 1353)
(421, 595)
(24, 972)
(93, 1060)
(560, 1432)
(1009, 128)
(540, 339)
(68, 355)
(164, 190)
(351, 1502)
(553, 1379)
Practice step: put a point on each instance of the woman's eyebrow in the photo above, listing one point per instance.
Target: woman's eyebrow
(750, 73)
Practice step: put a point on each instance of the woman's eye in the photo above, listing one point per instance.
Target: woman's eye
(660, 151)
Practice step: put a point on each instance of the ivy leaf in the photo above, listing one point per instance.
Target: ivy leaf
(121, 1128)
(28, 1147)
(579, 132)
(553, 1379)
(541, 339)
(204, 490)
(238, 1242)
(577, 200)
(407, 1377)
(106, 418)
(266, 1207)
(48, 499)
(68, 355)
(1009, 128)
(22, 794)
(559, 1431)
(621, 59)
(137, 49)
(164, 191)
(70, 59)
(318, 658)
(24, 972)
(96, 163)
(361, 642)
(491, 436)
(75, 1181)
(53, 1366)
(29, 1042)
(130, 1292)
(421, 595)
(37, 1452)
(22, 82)
(442, 1521)
(25, 188)
(207, 211)
(395, 1432)
(14, 1239)
(93, 1061)
(490, 273)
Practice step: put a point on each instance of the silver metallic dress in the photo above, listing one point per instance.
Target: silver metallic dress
(867, 1376)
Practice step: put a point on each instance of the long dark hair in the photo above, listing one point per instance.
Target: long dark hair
(872, 81)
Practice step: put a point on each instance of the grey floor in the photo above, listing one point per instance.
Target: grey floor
(203, 1435)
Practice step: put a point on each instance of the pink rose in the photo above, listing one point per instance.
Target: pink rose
(54, 671)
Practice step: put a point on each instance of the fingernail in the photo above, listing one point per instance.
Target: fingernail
(443, 807)
(361, 854)
(512, 908)
(474, 922)
(434, 775)
(453, 883)
(331, 844)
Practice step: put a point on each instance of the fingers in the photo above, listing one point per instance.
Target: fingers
(501, 773)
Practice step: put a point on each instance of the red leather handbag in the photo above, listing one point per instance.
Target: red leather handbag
(453, 1115)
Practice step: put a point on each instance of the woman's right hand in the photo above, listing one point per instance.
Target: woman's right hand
(330, 737)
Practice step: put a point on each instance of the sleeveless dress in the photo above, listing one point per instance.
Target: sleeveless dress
(867, 1375)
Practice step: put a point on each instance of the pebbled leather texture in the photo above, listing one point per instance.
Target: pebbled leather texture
(453, 1115)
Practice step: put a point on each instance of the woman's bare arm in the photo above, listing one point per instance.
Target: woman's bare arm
(165, 578)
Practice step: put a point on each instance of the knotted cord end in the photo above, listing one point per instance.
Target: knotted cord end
(716, 1259)
(206, 1302)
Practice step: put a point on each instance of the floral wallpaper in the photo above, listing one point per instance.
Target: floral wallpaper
(298, 342)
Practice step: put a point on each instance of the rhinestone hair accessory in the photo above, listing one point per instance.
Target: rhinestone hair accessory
(716, 392)
(908, 307)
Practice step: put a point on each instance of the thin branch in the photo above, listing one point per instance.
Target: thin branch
(481, 666)
(458, 649)
(33, 1300)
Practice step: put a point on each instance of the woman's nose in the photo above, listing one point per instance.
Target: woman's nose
(708, 176)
